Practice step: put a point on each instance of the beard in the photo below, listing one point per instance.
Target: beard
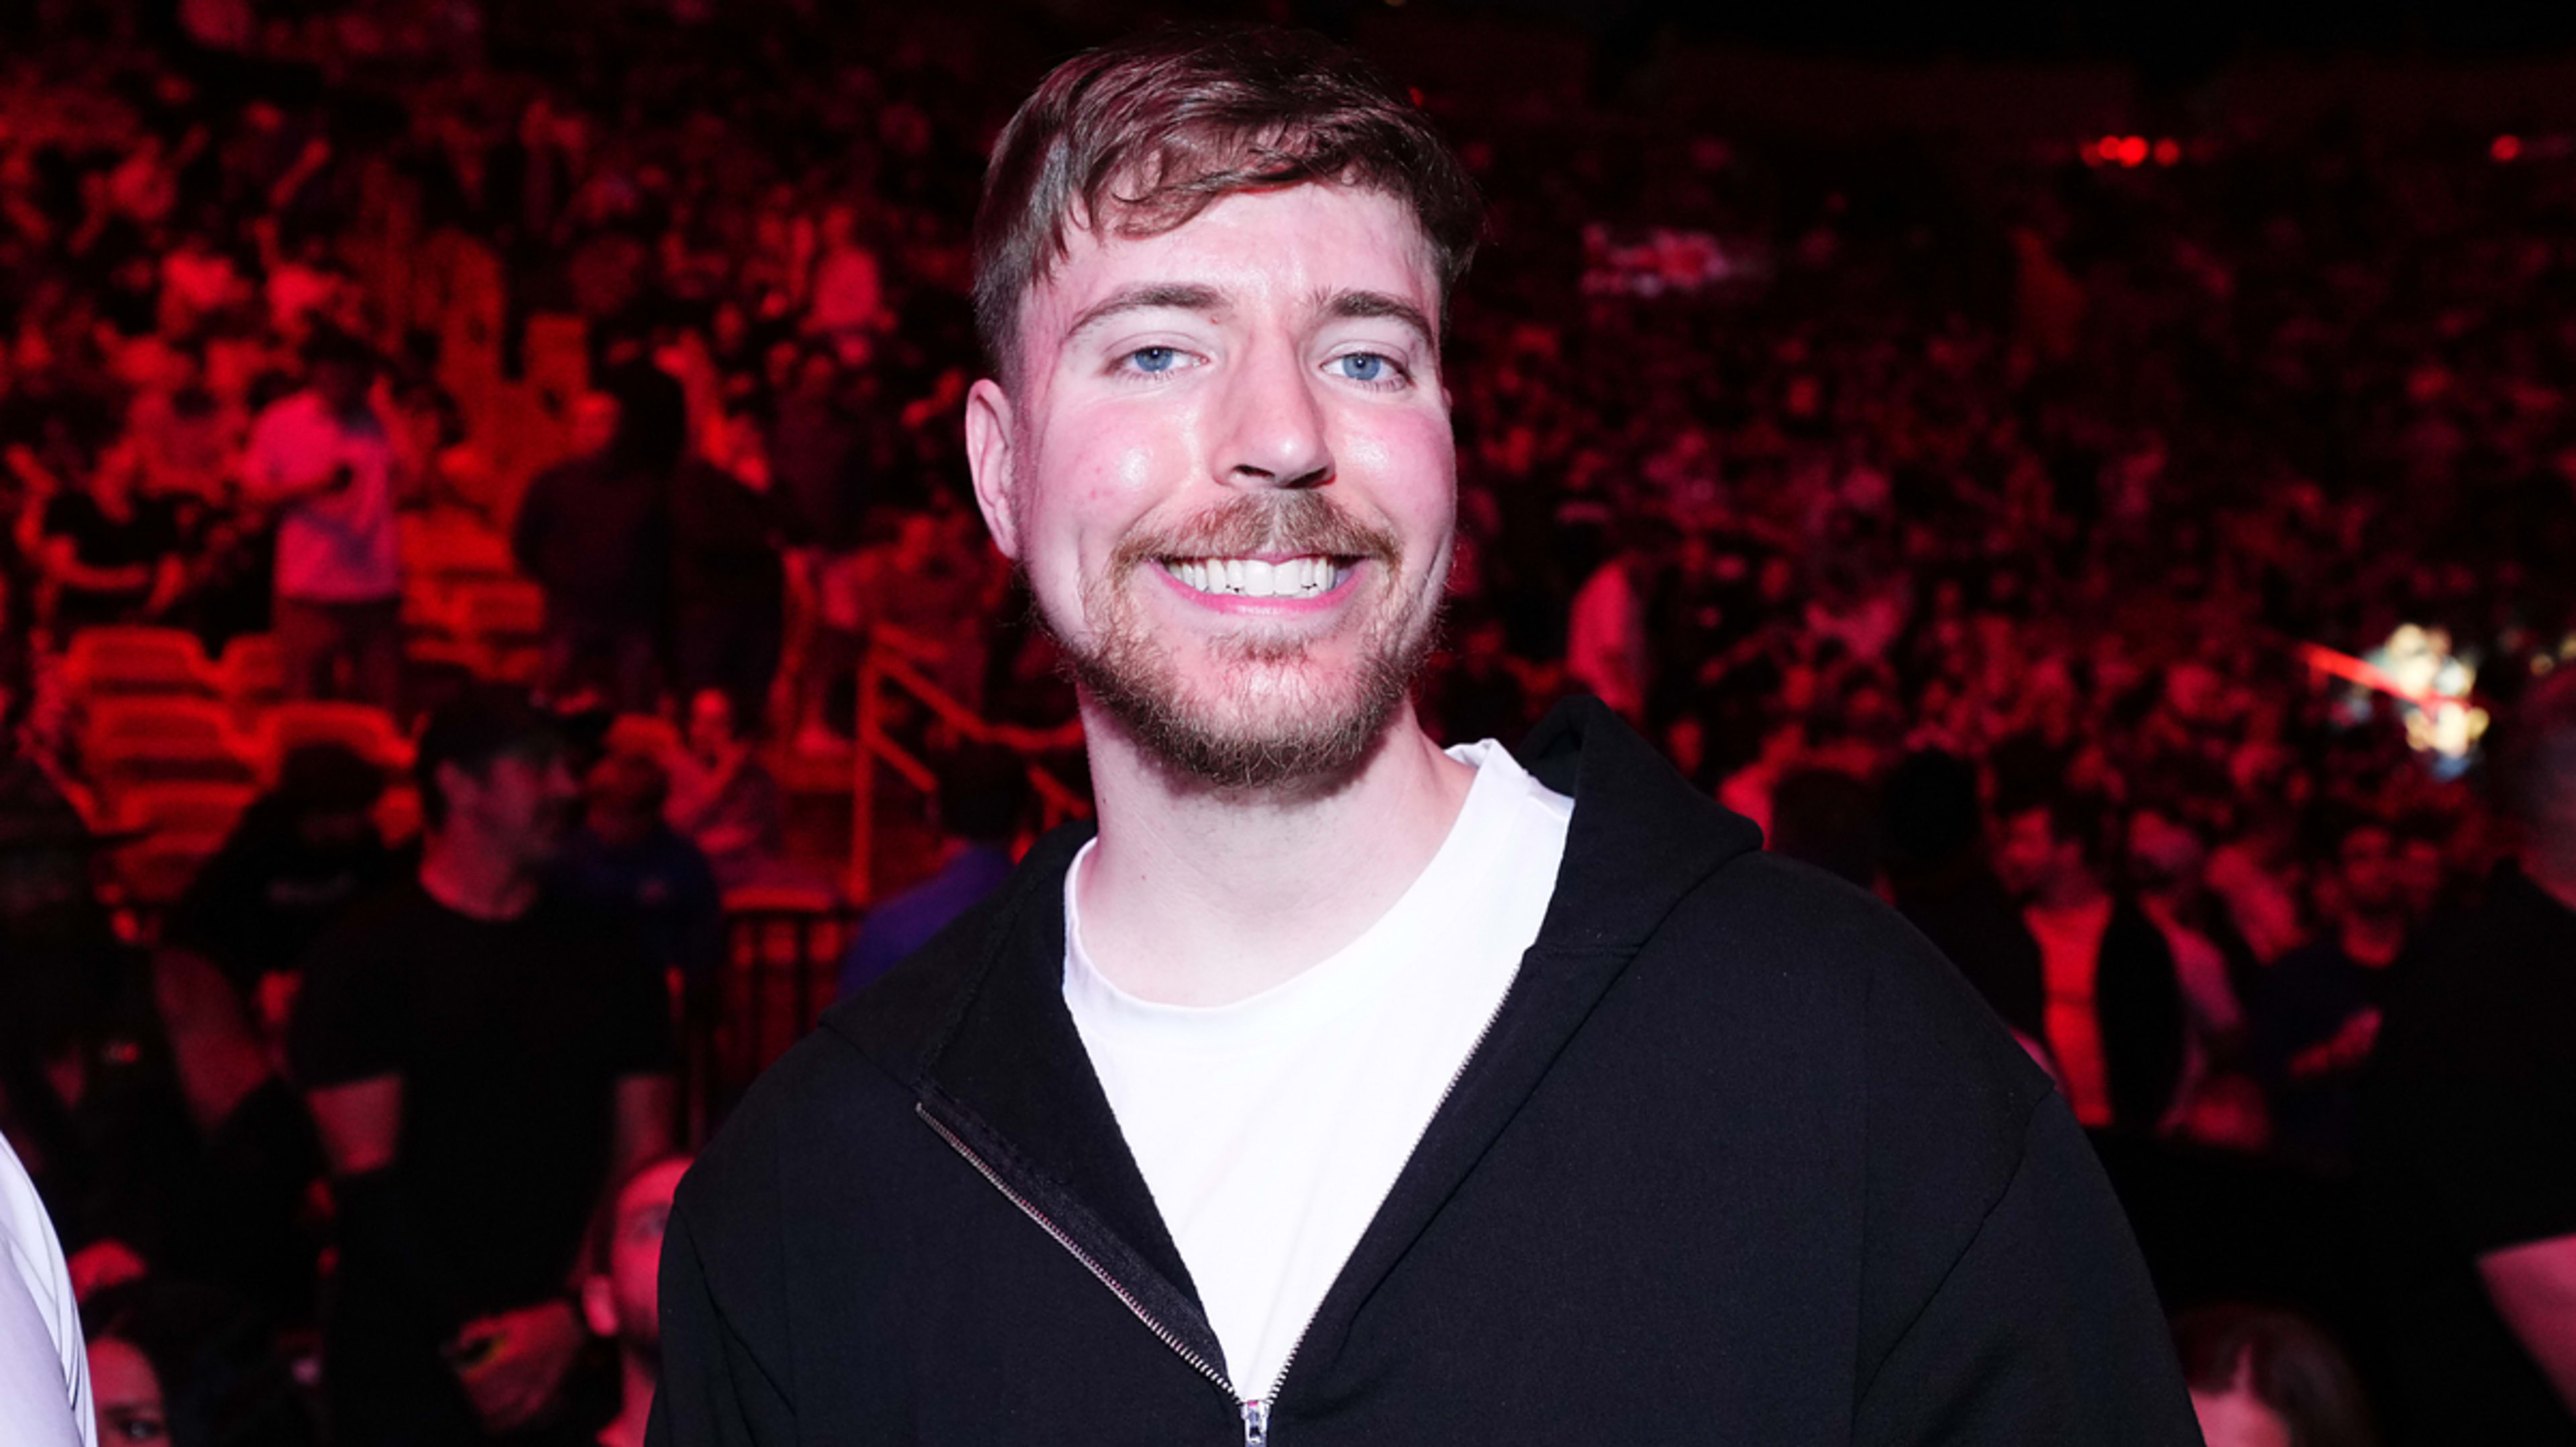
(1290, 733)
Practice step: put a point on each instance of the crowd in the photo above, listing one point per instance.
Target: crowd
(1967, 542)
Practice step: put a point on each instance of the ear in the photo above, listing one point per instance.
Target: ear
(989, 458)
(599, 1305)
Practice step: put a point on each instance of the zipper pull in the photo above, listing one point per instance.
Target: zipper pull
(1256, 1423)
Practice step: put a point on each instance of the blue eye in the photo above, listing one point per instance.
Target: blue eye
(1154, 359)
(1364, 366)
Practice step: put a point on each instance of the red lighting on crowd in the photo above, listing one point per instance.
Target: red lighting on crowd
(2505, 148)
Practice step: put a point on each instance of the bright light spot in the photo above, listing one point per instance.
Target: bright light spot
(2168, 152)
(2133, 151)
(2505, 148)
(2419, 662)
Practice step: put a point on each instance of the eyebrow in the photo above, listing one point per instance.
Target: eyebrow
(1360, 306)
(1150, 296)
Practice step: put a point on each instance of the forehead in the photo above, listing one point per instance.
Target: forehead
(1271, 251)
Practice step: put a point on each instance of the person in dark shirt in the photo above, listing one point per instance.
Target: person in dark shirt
(728, 586)
(625, 859)
(108, 554)
(2469, 1140)
(980, 807)
(595, 534)
(2316, 1013)
(483, 1057)
(300, 856)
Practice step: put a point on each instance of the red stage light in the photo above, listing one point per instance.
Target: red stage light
(2168, 152)
(2505, 148)
(2133, 150)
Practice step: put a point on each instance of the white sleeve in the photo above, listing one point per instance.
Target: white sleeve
(44, 1368)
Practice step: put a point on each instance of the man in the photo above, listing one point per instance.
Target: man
(484, 1060)
(324, 461)
(620, 1299)
(724, 798)
(595, 534)
(627, 860)
(2467, 1118)
(1343, 1088)
(2112, 1011)
(2316, 1013)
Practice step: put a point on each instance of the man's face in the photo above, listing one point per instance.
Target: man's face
(1227, 470)
(2372, 881)
(2026, 852)
(522, 801)
(630, 1309)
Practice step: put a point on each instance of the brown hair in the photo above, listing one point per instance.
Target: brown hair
(1158, 129)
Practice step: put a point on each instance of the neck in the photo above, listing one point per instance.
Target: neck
(472, 877)
(2373, 938)
(635, 1402)
(1200, 897)
(2551, 864)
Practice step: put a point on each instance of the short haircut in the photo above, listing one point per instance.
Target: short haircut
(470, 731)
(1138, 138)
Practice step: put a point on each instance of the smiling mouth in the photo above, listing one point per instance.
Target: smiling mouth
(1305, 577)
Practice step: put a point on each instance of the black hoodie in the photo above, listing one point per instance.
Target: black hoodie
(1741, 1159)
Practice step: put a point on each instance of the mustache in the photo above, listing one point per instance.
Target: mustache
(1295, 524)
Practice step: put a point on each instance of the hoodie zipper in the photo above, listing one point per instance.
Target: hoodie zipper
(1256, 1410)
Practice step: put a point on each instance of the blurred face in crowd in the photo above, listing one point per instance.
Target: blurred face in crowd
(2373, 882)
(2029, 856)
(126, 1395)
(594, 424)
(711, 730)
(1225, 464)
(2238, 1418)
(625, 1303)
(520, 803)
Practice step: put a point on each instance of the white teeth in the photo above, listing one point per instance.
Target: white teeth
(1259, 578)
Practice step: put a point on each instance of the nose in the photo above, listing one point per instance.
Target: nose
(1271, 431)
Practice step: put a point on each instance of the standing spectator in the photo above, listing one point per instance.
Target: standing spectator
(2471, 1111)
(724, 798)
(627, 860)
(2317, 1011)
(2114, 1014)
(594, 532)
(980, 807)
(621, 1297)
(729, 585)
(2217, 1103)
(324, 459)
(485, 1059)
(107, 554)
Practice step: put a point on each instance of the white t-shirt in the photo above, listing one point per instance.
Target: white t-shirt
(44, 1368)
(1269, 1130)
(337, 547)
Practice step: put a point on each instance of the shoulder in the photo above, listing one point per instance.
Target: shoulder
(372, 935)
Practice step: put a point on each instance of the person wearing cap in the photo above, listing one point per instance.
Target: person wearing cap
(324, 460)
(483, 1057)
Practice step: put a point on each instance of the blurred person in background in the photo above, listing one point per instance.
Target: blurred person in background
(728, 583)
(485, 1059)
(107, 554)
(626, 858)
(594, 532)
(980, 808)
(620, 1299)
(2317, 1010)
(2216, 1102)
(135, 1089)
(298, 857)
(1937, 870)
(2114, 1011)
(186, 1367)
(2468, 1116)
(324, 460)
(724, 798)
(2266, 1378)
